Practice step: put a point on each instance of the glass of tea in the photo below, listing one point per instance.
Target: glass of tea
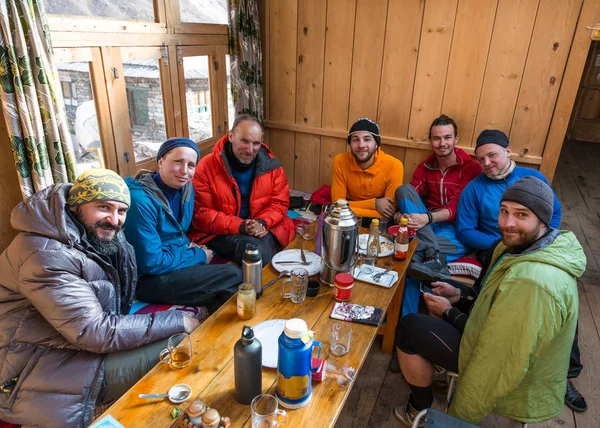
(179, 351)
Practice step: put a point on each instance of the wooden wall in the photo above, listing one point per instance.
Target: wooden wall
(10, 195)
(506, 64)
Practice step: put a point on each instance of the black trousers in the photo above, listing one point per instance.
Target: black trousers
(198, 285)
(432, 338)
(234, 246)
(575, 365)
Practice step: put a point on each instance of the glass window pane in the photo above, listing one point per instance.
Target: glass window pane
(82, 121)
(132, 9)
(145, 105)
(204, 11)
(230, 106)
(197, 97)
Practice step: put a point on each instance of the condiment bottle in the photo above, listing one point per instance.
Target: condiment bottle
(247, 367)
(401, 241)
(373, 244)
(246, 301)
(343, 287)
(195, 411)
(211, 419)
(252, 268)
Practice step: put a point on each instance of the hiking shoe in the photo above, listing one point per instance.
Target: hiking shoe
(394, 365)
(573, 398)
(431, 270)
(407, 413)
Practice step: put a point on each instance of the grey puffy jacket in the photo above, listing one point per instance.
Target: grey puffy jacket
(61, 307)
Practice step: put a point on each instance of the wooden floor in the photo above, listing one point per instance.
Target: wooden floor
(577, 185)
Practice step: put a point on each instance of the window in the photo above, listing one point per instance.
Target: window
(197, 95)
(204, 11)
(137, 99)
(136, 9)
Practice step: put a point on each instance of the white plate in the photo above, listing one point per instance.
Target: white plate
(268, 333)
(294, 255)
(383, 241)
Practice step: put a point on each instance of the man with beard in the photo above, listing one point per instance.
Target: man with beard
(477, 218)
(241, 196)
(442, 177)
(509, 337)
(171, 268)
(68, 281)
(366, 177)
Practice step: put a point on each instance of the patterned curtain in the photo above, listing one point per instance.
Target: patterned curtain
(32, 98)
(246, 57)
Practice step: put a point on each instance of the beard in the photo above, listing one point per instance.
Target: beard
(106, 247)
(370, 154)
(523, 240)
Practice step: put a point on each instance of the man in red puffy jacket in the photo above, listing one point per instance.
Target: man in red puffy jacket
(241, 195)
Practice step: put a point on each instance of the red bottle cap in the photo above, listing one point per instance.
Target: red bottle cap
(344, 279)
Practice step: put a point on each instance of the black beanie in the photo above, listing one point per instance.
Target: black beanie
(492, 136)
(365, 124)
(534, 194)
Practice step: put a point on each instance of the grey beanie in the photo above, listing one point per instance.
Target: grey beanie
(534, 194)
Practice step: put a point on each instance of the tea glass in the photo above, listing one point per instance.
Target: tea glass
(266, 413)
(307, 229)
(179, 351)
(341, 336)
(298, 284)
(383, 226)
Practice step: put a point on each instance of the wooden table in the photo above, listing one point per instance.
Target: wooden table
(211, 374)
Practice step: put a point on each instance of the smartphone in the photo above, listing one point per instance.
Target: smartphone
(426, 289)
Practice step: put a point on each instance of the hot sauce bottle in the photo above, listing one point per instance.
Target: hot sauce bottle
(401, 241)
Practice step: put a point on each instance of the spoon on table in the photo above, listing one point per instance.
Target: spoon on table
(377, 277)
(283, 273)
(179, 395)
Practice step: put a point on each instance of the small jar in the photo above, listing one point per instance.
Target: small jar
(343, 287)
(246, 301)
(195, 412)
(211, 419)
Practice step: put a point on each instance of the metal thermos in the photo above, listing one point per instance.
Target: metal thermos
(339, 241)
(252, 268)
(247, 366)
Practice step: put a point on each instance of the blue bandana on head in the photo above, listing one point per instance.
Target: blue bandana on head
(172, 143)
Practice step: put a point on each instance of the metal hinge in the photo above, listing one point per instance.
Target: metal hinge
(126, 157)
(179, 54)
(216, 64)
(165, 54)
(115, 73)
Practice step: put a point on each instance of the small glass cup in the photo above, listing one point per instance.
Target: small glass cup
(298, 284)
(383, 226)
(179, 351)
(246, 301)
(341, 336)
(307, 229)
(266, 413)
(359, 221)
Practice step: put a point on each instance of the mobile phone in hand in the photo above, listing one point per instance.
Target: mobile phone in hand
(426, 289)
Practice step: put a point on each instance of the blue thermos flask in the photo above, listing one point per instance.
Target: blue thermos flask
(294, 366)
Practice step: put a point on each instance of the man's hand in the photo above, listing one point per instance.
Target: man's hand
(255, 228)
(190, 324)
(446, 290)
(417, 221)
(386, 206)
(209, 254)
(436, 304)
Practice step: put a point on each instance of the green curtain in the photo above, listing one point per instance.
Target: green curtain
(32, 99)
(246, 57)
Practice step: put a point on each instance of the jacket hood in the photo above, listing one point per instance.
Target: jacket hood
(45, 213)
(461, 158)
(559, 248)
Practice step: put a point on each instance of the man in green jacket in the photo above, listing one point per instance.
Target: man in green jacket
(508, 338)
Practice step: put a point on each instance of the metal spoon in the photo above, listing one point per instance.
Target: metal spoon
(377, 277)
(281, 275)
(178, 396)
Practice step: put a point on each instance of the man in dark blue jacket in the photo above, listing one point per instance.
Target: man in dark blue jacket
(172, 269)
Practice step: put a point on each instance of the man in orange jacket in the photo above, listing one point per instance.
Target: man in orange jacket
(241, 195)
(366, 177)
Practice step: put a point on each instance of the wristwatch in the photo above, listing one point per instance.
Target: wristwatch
(446, 312)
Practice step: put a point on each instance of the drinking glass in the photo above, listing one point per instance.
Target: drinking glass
(298, 284)
(307, 229)
(246, 301)
(179, 351)
(341, 336)
(266, 413)
(383, 226)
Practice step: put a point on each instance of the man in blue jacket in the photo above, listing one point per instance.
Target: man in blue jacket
(172, 269)
(477, 217)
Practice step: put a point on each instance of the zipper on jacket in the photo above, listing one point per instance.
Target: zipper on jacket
(89, 392)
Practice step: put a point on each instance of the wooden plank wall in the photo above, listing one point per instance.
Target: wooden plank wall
(486, 63)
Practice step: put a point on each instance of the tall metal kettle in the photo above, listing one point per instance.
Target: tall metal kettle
(339, 241)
